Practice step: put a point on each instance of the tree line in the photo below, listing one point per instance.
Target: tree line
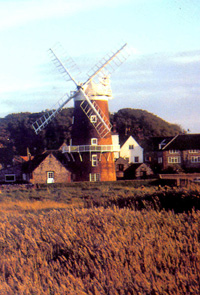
(17, 134)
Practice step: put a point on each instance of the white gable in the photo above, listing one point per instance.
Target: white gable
(132, 150)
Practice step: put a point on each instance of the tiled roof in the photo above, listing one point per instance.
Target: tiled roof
(33, 164)
(184, 142)
(152, 143)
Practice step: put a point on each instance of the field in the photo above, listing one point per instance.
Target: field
(114, 238)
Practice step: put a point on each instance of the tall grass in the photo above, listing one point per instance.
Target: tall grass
(62, 243)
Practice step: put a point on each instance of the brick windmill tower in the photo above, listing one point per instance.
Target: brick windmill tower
(91, 151)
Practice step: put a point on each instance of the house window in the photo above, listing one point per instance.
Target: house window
(195, 159)
(93, 118)
(136, 159)
(131, 146)
(94, 177)
(147, 159)
(173, 151)
(10, 178)
(159, 160)
(173, 160)
(193, 151)
(94, 141)
(120, 167)
(94, 160)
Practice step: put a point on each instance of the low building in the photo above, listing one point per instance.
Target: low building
(138, 171)
(49, 167)
(11, 174)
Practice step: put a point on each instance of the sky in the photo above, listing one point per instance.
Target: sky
(161, 75)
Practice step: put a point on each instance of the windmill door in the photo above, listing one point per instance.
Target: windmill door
(50, 177)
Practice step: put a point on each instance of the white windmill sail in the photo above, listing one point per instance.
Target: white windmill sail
(101, 70)
(44, 120)
(108, 64)
(64, 64)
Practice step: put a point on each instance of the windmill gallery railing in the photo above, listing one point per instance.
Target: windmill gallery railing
(90, 148)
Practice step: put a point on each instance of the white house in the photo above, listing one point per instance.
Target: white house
(132, 150)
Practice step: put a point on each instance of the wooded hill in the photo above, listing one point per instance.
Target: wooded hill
(16, 132)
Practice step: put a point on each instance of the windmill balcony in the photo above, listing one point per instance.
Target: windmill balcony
(90, 148)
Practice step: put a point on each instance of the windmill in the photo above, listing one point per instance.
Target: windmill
(91, 152)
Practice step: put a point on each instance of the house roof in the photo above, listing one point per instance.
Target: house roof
(153, 143)
(31, 165)
(130, 138)
(184, 142)
(133, 167)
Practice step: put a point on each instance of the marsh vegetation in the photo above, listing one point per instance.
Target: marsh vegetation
(113, 238)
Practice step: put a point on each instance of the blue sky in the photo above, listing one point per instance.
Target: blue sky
(162, 75)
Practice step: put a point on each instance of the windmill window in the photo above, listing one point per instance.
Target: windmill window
(94, 141)
(94, 160)
(93, 119)
(94, 177)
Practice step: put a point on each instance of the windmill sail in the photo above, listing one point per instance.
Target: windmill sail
(100, 121)
(104, 68)
(107, 65)
(65, 64)
(43, 121)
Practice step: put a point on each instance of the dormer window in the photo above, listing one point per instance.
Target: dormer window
(193, 151)
(93, 118)
(94, 141)
(173, 151)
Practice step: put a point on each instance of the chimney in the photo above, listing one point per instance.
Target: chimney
(28, 154)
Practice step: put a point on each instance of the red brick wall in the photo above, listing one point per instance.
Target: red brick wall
(83, 167)
(61, 174)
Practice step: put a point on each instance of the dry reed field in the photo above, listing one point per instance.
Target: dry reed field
(100, 239)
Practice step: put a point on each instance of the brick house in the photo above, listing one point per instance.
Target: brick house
(49, 167)
(153, 154)
(182, 151)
